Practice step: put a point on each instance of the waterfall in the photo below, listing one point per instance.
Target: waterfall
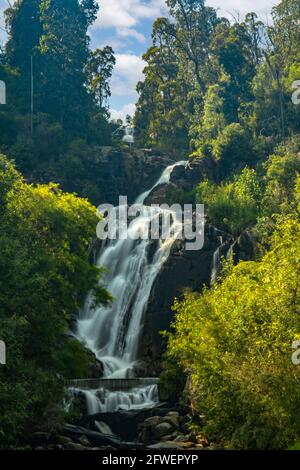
(129, 135)
(113, 332)
(227, 249)
(103, 401)
(216, 267)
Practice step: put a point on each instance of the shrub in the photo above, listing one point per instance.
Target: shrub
(236, 341)
(232, 206)
(45, 276)
(233, 148)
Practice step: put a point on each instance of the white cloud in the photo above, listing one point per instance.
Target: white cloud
(2, 21)
(122, 113)
(234, 7)
(129, 32)
(124, 15)
(127, 72)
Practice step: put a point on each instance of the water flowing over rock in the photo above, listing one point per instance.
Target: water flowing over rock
(113, 333)
(144, 276)
(127, 172)
(183, 270)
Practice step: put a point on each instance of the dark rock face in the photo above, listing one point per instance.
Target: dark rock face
(96, 366)
(196, 170)
(245, 247)
(183, 180)
(163, 194)
(128, 172)
(184, 269)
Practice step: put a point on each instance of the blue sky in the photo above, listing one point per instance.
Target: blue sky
(126, 26)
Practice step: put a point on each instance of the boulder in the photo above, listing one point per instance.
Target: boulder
(173, 418)
(162, 429)
(202, 440)
(64, 440)
(75, 446)
(83, 440)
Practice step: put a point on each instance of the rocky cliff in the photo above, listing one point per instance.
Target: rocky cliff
(127, 172)
(183, 270)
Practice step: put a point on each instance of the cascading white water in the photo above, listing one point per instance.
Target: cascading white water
(113, 332)
(216, 262)
(217, 259)
(103, 401)
(129, 135)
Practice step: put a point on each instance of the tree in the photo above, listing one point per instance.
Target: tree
(64, 48)
(192, 32)
(233, 148)
(256, 31)
(161, 115)
(284, 34)
(24, 26)
(99, 71)
(45, 275)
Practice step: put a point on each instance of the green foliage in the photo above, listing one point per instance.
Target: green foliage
(236, 341)
(172, 381)
(233, 148)
(225, 87)
(8, 177)
(73, 360)
(282, 170)
(48, 47)
(45, 275)
(232, 206)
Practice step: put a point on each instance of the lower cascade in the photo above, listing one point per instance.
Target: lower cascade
(112, 333)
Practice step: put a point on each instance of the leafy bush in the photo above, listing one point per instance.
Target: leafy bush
(233, 148)
(232, 206)
(171, 381)
(73, 360)
(236, 341)
(45, 275)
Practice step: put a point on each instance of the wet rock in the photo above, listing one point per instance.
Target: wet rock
(173, 418)
(83, 440)
(164, 194)
(97, 439)
(162, 429)
(197, 170)
(75, 446)
(179, 438)
(64, 440)
(165, 445)
(127, 172)
(186, 445)
(168, 438)
(39, 438)
(153, 421)
(183, 269)
(96, 366)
